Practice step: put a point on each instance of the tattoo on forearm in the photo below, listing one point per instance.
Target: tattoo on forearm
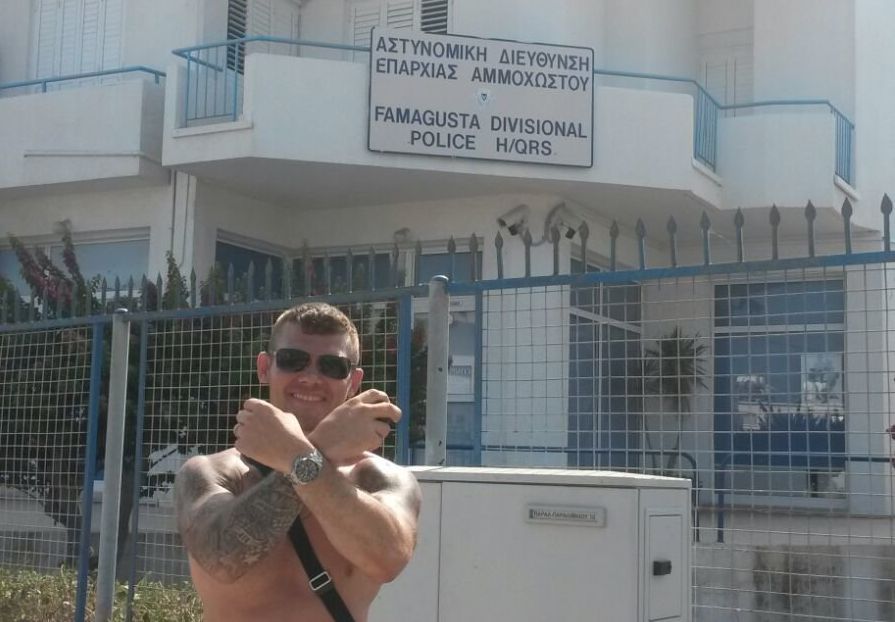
(242, 535)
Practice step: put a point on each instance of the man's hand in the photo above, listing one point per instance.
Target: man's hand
(268, 435)
(357, 426)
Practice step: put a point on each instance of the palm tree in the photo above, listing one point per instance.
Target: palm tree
(672, 370)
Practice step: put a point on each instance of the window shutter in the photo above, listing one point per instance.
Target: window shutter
(260, 15)
(112, 34)
(90, 59)
(365, 16)
(400, 14)
(46, 51)
(434, 16)
(237, 27)
(69, 44)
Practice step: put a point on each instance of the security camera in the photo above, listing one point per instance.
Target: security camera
(562, 217)
(516, 220)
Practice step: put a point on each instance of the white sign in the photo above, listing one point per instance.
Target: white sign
(481, 98)
(591, 517)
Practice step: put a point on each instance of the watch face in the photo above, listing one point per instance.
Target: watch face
(305, 469)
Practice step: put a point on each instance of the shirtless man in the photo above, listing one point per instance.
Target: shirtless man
(360, 511)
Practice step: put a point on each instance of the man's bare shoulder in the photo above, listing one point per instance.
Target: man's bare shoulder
(200, 476)
(375, 474)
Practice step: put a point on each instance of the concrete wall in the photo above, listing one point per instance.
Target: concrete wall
(760, 157)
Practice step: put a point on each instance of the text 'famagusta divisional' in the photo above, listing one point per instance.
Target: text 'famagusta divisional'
(481, 68)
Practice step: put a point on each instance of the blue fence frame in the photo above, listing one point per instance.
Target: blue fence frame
(43, 82)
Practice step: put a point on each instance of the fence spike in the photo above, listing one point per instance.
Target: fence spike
(640, 229)
(46, 300)
(268, 279)
(417, 255)
(393, 264)
(286, 279)
(16, 306)
(349, 270)
(474, 251)
(554, 240)
(75, 295)
(371, 269)
(192, 288)
(498, 249)
(212, 285)
(738, 221)
(130, 291)
(706, 225)
(613, 243)
(159, 287)
(452, 258)
(526, 241)
(810, 215)
(144, 293)
(250, 282)
(774, 219)
(886, 208)
(307, 267)
(583, 234)
(231, 284)
(847, 211)
(671, 227)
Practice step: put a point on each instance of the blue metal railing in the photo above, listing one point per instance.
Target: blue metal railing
(214, 74)
(707, 109)
(43, 82)
(214, 87)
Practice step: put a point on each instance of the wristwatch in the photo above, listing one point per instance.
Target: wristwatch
(305, 468)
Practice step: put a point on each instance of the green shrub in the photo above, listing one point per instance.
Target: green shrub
(28, 596)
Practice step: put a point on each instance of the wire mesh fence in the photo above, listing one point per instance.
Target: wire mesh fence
(769, 389)
(198, 372)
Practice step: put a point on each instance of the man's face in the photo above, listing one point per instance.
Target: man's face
(308, 394)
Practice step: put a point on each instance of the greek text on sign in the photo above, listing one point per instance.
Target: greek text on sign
(480, 98)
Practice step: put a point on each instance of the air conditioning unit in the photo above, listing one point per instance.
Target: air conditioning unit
(544, 545)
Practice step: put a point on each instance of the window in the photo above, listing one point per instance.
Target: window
(779, 400)
(120, 259)
(604, 356)
(314, 280)
(237, 22)
(76, 36)
(240, 258)
(435, 264)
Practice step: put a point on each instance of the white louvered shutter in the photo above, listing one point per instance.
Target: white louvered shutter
(112, 34)
(401, 14)
(69, 42)
(46, 50)
(91, 39)
(364, 17)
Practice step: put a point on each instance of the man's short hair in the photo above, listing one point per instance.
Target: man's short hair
(318, 318)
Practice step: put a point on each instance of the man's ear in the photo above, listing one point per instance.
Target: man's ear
(262, 367)
(357, 376)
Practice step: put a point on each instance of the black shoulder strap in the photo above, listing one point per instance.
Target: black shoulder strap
(319, 580)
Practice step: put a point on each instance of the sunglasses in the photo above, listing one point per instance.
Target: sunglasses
(294, 360)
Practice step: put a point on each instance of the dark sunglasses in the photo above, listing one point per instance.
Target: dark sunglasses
(294, 360)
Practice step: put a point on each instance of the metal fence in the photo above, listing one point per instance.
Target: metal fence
(765, 382)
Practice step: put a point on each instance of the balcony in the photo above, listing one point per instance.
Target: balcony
(262, 117)
(96, 131)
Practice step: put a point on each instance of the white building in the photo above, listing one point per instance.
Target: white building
(252, 152)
